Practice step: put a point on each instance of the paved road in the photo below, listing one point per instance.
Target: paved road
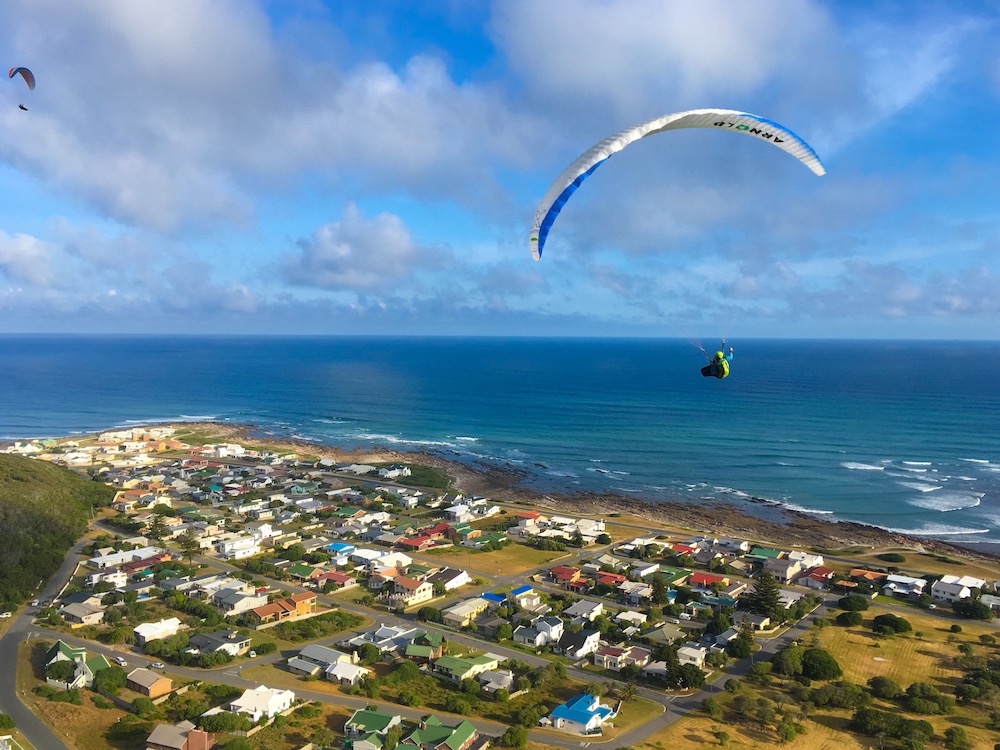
(34, 730)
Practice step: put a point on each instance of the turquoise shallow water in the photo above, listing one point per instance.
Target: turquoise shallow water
(898, 434)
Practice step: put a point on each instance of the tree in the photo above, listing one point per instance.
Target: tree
(818, 664)
(851, 618)
(323, 738)
(895, 623)
(628, 692)
(504, 632)
(765, 597)
(515, 736)
(788, 661)
(712, 708)
(885, 688)
(739, 647)
(157, 526)
(457, 705)
(722, 736)
(955, 738)
(690, 676)
(972, 610)
(62, 671)
(189, 545)
(110, 680)
(392, 737)
(854, 603)
(368, 654)
(659, 586)
(6, 722)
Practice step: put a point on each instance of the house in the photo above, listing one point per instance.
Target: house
(233, 601)
(180, 736)
(584, 611)
(425, 648)
(297, 605)
(314, 659)
(582, 714)
(705, 581)
(346, 673)
(551, 628)
(464, 613)
(151, 631)
(457, 668)
(692, 653)
(528, 636)
(817, 578)
(563, 575)
(86, 666)
(578, 645)
(617, 657)
(635, 591)
(226, 641)
(866, 576)
(496, 679)
(79, 615)
(784, 569)
(903, 586)
(149, 683)
(950, 588)
(756, 622)
(433, 734)
(262, 702)
(408, 592)
(387, 638)
(452, 578)
(365, 730)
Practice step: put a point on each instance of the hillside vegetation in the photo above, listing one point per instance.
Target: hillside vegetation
(44, 509)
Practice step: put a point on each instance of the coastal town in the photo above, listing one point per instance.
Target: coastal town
(251, 596)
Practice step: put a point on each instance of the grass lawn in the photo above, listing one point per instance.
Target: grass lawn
(513, 559)
(632, 714)
(926, 562)
(904, 658)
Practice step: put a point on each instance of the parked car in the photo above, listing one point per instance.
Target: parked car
(157, 665)
(6, 615)
(35, 602)
(120, 661)
(253, 654)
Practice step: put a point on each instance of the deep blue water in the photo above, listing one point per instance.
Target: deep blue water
(899, 434)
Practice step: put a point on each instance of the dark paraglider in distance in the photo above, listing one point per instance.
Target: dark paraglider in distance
(29, 78)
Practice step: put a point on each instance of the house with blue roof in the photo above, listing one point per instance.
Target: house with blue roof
(495, 600)
(520, 591)
(582, 714)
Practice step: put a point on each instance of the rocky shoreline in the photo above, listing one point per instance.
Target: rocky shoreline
(760, 520)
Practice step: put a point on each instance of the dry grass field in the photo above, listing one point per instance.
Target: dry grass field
(511, 560)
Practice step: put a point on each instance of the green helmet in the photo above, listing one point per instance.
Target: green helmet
(719, 355)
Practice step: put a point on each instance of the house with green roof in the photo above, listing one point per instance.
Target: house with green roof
(366, 730)
(86, 666)
(673, 576)
(63, 652)
(433, 734)
(765, 553)
(457, 668)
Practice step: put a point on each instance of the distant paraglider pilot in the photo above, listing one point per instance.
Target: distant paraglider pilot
(718, 366)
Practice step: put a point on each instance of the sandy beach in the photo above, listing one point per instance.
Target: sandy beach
(752, 519)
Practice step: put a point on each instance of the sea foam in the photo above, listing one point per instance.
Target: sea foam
(857, 466)
(947, 501)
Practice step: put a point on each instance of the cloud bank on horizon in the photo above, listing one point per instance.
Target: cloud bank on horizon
(323, 168)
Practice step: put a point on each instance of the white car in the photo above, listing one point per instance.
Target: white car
(5, 615)
(157, 665)
(253, 654)
(120, 661)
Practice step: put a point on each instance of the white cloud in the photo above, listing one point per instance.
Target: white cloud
(356, 253)
(25, 259)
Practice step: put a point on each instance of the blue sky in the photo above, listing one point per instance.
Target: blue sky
(374, 168)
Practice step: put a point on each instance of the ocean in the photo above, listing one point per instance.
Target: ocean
(898, 434)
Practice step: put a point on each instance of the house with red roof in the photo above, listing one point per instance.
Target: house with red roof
(817, 578)
(706, 580)
(562, 574)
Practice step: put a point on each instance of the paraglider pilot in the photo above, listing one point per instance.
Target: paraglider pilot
(718, 366)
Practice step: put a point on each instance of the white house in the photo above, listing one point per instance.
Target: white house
(150, 631)
(903, 586)
(692, 653)
(582, 714)
(584, 610)
(346, 673)
(262, 701)
(951, 588)
(238, 548)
